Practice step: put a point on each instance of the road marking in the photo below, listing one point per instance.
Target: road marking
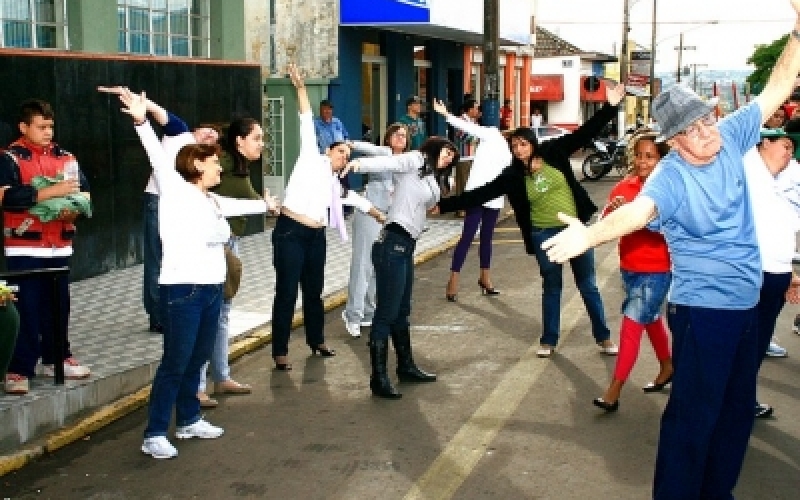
(452, 467)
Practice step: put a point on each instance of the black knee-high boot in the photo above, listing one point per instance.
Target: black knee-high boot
(407, 370)
(379, 382)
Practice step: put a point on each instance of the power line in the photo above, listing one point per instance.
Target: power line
(720, 21)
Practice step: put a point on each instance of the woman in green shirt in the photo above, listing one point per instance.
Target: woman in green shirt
(243, 145)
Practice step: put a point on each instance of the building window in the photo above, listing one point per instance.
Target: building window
(164, 27)
(33, 24)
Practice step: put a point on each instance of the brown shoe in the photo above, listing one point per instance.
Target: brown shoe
(205, 401)
(231, 386)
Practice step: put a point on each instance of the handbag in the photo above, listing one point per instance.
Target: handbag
(233, 274)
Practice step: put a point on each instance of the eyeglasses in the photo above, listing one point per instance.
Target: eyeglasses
(693, 130)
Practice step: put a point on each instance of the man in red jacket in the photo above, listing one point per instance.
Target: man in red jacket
(31, 243)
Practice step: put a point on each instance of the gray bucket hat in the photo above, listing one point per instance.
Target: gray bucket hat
(677, 108)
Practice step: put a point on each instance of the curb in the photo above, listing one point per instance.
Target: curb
(108, 414)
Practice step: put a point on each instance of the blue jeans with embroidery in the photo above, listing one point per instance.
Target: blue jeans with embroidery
(191, 321)
(393, 259)
(552, 284)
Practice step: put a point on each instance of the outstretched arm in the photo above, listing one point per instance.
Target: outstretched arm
(781, 80)
(461, 124)
(304, 106)
(577, 238)
(158, 113)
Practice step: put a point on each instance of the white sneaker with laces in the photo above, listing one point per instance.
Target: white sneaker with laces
(545, 351)
(354, 329)
(200, 429)
(72, 369)
(159, 447)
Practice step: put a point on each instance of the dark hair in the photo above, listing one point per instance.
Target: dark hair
(34, 107)
(644, 134)
(431, 149)
(527, 134)
(394, 127)
(325, 103)
(792, 126)
(468, 104)
(184, 162)
(239, 128)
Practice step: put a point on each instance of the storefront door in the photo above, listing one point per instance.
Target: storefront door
(373, 98)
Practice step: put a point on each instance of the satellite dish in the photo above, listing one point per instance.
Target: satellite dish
(591, 84)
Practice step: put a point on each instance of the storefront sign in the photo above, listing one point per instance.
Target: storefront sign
(355, 12)
(547, 88)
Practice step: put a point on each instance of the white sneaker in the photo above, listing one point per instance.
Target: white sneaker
(354, 329)
(16, 384)
(72, 369)
(159, 447)
(366, 323)
(776, 351)
(545, 351)
(200, 429)
(608, 347)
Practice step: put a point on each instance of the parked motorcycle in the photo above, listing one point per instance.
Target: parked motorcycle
(599, 164)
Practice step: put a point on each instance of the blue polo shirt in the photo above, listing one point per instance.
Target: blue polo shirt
(329, 132)
(706, 217)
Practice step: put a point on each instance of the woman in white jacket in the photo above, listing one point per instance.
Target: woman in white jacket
(491, 157)
(193, 232)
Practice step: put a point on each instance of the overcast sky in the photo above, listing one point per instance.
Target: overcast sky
(596, 25)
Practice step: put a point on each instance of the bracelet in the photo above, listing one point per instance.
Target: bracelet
(796, 34)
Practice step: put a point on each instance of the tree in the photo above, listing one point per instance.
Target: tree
(764, 59)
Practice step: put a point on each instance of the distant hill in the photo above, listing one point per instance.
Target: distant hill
(705, 80)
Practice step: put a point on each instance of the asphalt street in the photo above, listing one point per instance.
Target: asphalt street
(499, 423)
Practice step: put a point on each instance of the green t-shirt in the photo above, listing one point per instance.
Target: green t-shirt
(235, 186)
(549, 194)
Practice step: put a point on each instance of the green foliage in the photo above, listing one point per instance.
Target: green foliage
(764, 59)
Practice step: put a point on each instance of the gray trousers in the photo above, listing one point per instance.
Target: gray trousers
(361, 289)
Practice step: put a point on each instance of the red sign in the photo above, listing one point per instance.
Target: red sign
(598, 95)
(638, 80)
(547, 88)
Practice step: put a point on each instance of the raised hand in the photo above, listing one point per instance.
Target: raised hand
(295, 76)
(796, 6)
(440, 107)
(615, 94)
(352, 166)
(135, 105)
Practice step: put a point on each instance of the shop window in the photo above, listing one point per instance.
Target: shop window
(164, 27)
(33, 24)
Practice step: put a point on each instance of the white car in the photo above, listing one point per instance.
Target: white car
(547, 132)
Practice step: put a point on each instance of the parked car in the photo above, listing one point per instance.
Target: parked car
(547, 132)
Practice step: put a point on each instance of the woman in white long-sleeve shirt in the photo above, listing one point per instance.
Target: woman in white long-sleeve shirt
(420, 177)
(360, 306)
(298, 240)
(491, 157)
(193, 232)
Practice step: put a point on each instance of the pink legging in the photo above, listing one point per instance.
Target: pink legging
(486, 219)
(630, 337)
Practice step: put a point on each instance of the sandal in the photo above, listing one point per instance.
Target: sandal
(231, 386)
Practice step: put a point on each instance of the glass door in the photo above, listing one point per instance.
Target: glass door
(373, 98)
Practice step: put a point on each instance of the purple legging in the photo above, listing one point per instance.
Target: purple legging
(486, 219)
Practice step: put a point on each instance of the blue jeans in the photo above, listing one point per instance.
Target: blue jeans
(552, 283)
(37, 314)
(708, 418)
(644, 295)
(770, 303)
(220, 369)
(151, 250)
(393, 259)
(191, 320)
(298, 255)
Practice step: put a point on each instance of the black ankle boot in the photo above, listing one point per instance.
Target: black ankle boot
(407, 370)
(379, 382)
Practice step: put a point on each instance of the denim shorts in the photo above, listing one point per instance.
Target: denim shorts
(644, 295)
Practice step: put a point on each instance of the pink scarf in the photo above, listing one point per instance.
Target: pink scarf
(337, 213)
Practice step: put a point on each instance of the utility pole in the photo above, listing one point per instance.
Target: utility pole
(652, 61)
(491, 68)
(680, 48)
(694, 74)
(623, 66)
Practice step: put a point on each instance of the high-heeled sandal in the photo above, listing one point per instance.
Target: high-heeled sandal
(284, 367)
(485, 290)
(608, 407)
(324, 351)
(451, 298)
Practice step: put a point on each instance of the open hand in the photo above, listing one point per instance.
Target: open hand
(135, 105)
(352, 166)
(295, 76)
(569, 243)
(440, 107)
(615, 93)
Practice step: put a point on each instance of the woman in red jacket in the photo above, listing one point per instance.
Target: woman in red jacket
(645, 267)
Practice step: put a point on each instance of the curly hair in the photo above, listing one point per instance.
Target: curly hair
(644, 133)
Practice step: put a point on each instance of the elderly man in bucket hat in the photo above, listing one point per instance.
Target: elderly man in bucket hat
(699, 199)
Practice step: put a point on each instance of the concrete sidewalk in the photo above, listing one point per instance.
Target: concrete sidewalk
(108, 332)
